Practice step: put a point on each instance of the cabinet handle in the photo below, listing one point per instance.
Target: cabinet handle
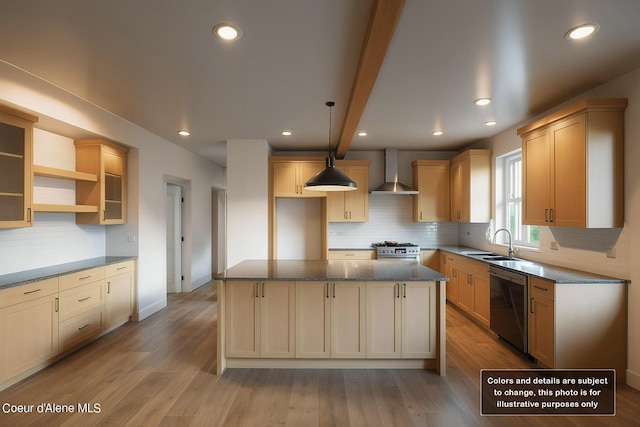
(546, 217)
(257, 290)
(397, 290)
(84, 299)
(57, 304)
(531, 304)
(550, 215)
(82, 327)
(404, 292)
(263, 290)
(121, 268)
(420, 214)
(28, 214)
(349, 214)
(108, 287)
(84, 278)
(334, 290)
(32, 292)
(327, 288)
(541, 288)
(104, 214)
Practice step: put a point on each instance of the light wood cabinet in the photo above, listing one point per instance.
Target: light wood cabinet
(471, 186)
(120, 280)
(28, 327)
(330, 319)
(352, 254)
(541, 321)
(469, 285)
(432, 180)
(289, 177)
(109, 193)
(573, 166)
(260, 318)
(351, 206)
(473, 288)
(430, 258)
(16, 161)
(348, 303)
(578, 326)
(401, 320)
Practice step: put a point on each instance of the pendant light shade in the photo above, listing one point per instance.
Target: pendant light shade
(330, 178)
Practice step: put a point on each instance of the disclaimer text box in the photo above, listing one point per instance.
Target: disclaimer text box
(547, 392)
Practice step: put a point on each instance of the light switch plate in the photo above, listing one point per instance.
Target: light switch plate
(553, 245)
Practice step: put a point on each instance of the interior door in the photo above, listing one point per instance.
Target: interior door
(174, 238)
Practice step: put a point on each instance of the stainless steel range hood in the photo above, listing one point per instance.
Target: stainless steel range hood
(391, 184)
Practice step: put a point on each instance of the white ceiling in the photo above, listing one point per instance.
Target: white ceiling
(157, 64)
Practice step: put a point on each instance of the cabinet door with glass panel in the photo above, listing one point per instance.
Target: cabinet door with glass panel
(109, 162)
(16, 179)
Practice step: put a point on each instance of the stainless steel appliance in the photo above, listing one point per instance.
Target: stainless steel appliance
(394, 250)
(508, 306)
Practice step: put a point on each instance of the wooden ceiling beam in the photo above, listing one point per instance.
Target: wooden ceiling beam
(382, 24)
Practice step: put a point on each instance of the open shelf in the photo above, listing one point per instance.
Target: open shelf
(39, 207)
(63, 174)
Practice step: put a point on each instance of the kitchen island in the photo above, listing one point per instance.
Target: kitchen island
(331, 314)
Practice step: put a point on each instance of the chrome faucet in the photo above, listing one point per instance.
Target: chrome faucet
(510, 240)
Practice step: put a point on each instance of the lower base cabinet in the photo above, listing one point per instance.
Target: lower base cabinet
(401, 320)
(259, 318)
(330, 320)
(28, 327)
(43, 320)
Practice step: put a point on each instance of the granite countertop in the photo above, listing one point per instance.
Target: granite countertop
(28, 276)
(322, 270)
(560, 275)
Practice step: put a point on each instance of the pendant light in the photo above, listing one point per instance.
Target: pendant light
(330, 178)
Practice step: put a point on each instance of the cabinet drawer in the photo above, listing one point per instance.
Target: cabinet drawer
(541, 288)
(120, 268)
(81, 328)
(28, 292)
(365, 254)
(81, 277)
(82, 299)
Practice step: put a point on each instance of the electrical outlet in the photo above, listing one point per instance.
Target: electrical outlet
(611, 252)
(553, 245)
(131, 239)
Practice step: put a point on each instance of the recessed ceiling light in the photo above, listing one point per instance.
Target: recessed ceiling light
(227, 31)
(581, 31)
(362, 133)
(437, 133)
(184, 133)
(491, 123)
(287, 133)
(482, 101)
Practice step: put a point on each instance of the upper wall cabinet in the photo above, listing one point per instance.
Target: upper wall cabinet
(109, 162)
(573, 166)
(431, 179)
(16, 160)
(471, 186)
(290, 175)
(351, 206)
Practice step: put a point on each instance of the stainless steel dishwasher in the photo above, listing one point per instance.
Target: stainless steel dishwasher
(508, 306)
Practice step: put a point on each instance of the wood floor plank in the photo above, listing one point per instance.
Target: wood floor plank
(303, 405)
(332, 399)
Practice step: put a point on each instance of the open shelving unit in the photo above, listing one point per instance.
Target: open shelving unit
(50, 172)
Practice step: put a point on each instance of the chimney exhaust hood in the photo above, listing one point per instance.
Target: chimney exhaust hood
(391, 184)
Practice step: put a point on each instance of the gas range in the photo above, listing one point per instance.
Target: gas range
(394, 250)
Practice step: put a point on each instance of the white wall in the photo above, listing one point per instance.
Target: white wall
(150, 161)
(586, 249)
(247, 200)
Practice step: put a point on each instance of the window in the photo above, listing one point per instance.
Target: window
(523, 235)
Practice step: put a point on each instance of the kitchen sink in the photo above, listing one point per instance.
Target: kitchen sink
(499, 258)
(487, 254)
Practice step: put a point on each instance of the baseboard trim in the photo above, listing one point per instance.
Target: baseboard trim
(332, 363)
(633, 379)
(149, 310)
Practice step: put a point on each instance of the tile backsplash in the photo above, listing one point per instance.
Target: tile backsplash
(390, 218)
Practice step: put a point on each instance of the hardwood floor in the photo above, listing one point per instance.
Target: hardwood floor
(160, 372)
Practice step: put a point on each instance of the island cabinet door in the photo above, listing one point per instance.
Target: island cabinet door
(348, 318)
(313, 320)
(277, 314)
(384, 320)
(418, 320)
(243, 318)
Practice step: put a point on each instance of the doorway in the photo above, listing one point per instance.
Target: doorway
(174, 238)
